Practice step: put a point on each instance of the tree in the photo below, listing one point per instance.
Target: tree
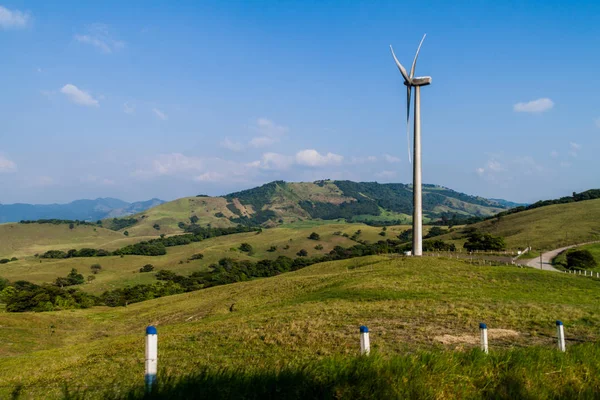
(194, 219)
(147, 268)
(246, 247)
(95, 268)
(314, 236)
(272, 249)
(71, 226)
(580, 259)
(302, 253)
(156, 226)
(90, 278)
(75, 278)
(319, 247)
(484, 241)
(126, 233)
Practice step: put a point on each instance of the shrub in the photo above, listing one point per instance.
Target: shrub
(580, 259)
(272, 249)
(302, 253)
(126, 233)
(314, 236)
(95, 268)
(197, 256)
(484, 241)
(246, 247)
(319, 247)
(382, 233)
(147, 268)
(4, 261)
(90, 278)
(156, 226)
(73, 278)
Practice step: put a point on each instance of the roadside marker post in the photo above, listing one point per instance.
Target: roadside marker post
(561, 336)
(365, 346)
(151, 357)
(484, 337)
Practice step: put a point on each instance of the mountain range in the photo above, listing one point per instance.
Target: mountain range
(83, 210)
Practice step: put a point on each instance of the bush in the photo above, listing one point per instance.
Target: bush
(126, 233)
(484, 241)
(156, 226)
(197, 256)
(4, 261)
(319, 247)
(73, 278)
(314, 236)
(580, 259)
(95, 268)
(147, 268)
(272, 249)
(246, 247)
(302, 253)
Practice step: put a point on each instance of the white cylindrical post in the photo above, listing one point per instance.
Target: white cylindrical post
(151, 357)
(584, 273)
(417, 196)
(561, 335)
(365, 346)
(484, 339)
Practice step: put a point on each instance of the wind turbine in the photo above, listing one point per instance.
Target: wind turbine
(412, 81)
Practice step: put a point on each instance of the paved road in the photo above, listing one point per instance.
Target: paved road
(547, 258)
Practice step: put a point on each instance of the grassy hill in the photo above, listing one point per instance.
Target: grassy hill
(22, 240)
(280, 202)
(255, 330)
(546, 227)
(123, 271)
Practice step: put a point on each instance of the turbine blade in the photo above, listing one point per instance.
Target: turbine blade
(408, 95)
(400, 67)
(412, 70)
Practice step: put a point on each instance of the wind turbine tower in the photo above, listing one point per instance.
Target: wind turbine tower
(411, 81)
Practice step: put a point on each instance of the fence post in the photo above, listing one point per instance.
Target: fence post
(365, 346)
(151, 357)
(484, 339)
(561, 335)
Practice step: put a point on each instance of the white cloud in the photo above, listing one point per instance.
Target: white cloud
(574, 149)
(313, 158)
(269, 133)
(386, 174)
(210, 177)
(168, 164)
(7, 165)
(13, 19)
(363, 160)
(78, 96)
(128, 108)
(160, 114)
(534, 106)
(480, 171)
(273, 161)
(98, 36)
(231, 145)
(391, 159)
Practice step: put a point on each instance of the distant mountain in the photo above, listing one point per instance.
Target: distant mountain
(83, 210)
(282, 202)
(509, 204)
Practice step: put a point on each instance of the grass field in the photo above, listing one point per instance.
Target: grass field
(545, 228)
(122, 271)
(262, 327)
(22, 240)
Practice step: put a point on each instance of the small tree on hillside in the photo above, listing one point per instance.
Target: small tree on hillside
(580, 259)
(96, 268)
(194, 219)
(75, 278)
(246, 247)
(314, 236)
(302, 253)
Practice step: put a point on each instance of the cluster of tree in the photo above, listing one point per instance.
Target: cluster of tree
(345, 211)
(153, 247)
(580, 259)
(23, 296)
(484, 241)
(72, 279)
(452, 219)
(435, 231)
(258, 218)
(55, 221)
(116, 224)
(7, 260)
(438, 245)
(147, 268)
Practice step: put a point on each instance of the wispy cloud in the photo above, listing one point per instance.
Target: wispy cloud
(128, 108)
(391, 159)
(273, 162)
(231, 145)
(268, 131)
(574, 149)
(13, 19)
(7, 165)
(98, 36)
(78, 96)
(313, 158)
(160, 114)
(534, 106)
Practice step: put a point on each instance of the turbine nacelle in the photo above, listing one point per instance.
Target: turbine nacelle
(419, 81)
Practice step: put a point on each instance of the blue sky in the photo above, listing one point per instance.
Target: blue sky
(168, 99)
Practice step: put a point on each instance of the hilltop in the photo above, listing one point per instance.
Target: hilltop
(280, 202)
(83, 210)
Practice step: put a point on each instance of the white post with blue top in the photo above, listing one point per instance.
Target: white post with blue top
(151, 356)
(484, 338)
(365, 346)
(561, 336)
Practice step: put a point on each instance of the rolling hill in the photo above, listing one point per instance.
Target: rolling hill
(254, 328)
(83, 210)
(281, 202)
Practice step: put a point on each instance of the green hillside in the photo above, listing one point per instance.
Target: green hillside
(256, 328)
(280, 202)
(548, 227)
